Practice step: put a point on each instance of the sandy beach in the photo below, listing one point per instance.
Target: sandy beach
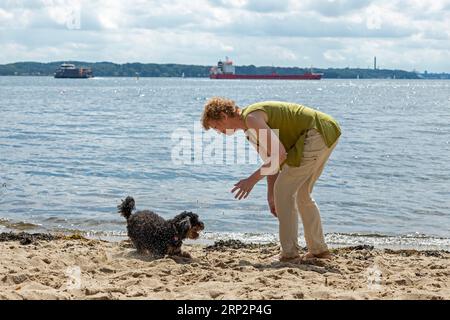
(78, 268)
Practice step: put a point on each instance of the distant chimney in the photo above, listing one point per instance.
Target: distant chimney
(375, 63)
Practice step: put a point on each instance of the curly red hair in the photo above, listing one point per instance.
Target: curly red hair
(214, 109)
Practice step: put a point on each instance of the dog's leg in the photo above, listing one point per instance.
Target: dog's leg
(140, 249)
(185, 254)
(159, 252)
(173, 251)
(176, 251)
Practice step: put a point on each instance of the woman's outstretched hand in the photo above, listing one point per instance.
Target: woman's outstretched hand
(244, 187)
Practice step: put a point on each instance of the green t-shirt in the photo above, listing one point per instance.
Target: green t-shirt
(293, 121)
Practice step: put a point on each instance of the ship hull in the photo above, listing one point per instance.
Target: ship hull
(306, 76)
(73, 74)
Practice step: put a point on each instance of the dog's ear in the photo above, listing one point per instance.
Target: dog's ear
(183, 226)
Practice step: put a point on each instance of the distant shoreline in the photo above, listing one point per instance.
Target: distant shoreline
(175, 77)
(109, 69)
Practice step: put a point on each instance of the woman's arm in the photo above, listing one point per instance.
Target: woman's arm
(270, 144)
(270, 193)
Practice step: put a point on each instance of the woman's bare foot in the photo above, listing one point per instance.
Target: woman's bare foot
(280, 258)
(324, 255)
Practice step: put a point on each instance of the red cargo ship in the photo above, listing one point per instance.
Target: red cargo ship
(226, 70)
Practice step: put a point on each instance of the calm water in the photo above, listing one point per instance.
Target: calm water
(71, 149)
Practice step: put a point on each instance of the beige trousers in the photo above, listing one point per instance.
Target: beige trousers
(292, 195)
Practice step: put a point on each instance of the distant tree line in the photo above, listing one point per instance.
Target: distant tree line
(332, 73)
(109, 69)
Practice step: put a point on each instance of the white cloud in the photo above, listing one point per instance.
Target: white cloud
(335, 8)
(374, 18)
(5, 15)
(405, 34)
(267, 5)
(333, 55)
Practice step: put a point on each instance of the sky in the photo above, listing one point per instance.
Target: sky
(402, 34)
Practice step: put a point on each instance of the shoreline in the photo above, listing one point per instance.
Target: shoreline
(73, 267)
(412, 241)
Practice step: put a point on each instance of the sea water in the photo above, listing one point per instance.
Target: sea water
(71, 149)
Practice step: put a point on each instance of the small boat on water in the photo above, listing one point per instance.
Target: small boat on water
(67, 70)
(226, 70)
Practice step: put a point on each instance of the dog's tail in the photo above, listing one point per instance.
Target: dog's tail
(126, 207)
